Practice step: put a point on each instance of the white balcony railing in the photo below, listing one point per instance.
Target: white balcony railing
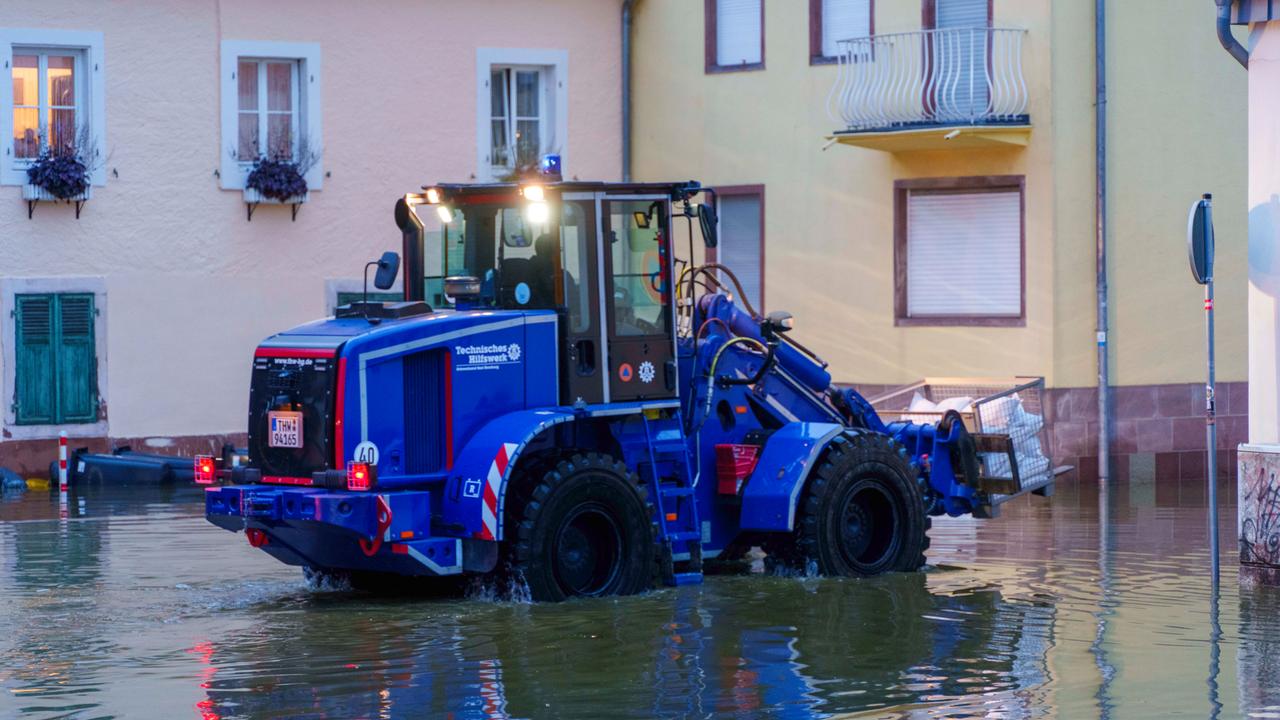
(927, 78)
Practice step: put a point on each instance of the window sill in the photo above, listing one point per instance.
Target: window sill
(961, 321)
(823, 60)
(745, 67)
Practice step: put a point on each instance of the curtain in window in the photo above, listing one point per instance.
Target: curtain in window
(738, 32)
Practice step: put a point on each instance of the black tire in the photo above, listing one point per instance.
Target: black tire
(861, 513)
(584, 531)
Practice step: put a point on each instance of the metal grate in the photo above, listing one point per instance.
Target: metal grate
(424, 421)
(1000, 406)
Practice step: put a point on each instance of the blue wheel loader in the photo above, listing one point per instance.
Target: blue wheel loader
(564, 402)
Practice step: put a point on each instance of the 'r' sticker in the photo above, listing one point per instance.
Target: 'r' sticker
(471, 488)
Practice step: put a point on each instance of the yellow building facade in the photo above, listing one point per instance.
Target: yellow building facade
(851, 159)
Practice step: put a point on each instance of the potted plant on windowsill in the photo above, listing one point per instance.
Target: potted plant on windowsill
(61, 173)
(279, 180)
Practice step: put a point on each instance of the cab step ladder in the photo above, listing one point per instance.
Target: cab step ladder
(670, 479)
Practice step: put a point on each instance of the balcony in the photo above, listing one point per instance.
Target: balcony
(931, 90)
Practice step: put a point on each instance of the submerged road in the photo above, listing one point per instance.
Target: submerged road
(135, 607)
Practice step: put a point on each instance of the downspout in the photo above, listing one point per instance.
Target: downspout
(627, 6)
(1100, 233)
(1229, 42)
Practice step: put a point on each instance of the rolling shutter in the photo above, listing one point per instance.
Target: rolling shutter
(36, 397)
(964, 253)
(56, 369)
(842, 20)
(740, 243)
(968, 80)
(738, 32)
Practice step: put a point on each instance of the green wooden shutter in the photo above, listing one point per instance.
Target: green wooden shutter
(36, 391)
(77, 365)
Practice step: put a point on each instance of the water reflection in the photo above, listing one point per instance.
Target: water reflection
(1098, 604)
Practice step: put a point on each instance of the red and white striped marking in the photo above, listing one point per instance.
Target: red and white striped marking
(497, 469)
(492, 692)
(62, 466)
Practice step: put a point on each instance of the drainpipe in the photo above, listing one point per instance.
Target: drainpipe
(1100, 233)
(627, 6)
(1229, 42)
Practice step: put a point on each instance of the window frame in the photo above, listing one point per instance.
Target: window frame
(979, 183)
(816, 57)
(90, 89)
(713, 254)
(307, 116)
(710, 45)
(10, 288)
(553, 110)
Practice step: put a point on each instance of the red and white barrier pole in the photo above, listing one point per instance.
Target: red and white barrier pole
(62, 467)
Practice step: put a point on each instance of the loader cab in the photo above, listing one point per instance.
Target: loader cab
(597, 254)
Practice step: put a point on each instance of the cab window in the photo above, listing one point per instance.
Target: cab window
(639, 275)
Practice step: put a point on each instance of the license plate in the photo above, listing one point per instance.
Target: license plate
(285, 429)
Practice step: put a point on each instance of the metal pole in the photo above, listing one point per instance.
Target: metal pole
(1210, 409)
(1100, 233)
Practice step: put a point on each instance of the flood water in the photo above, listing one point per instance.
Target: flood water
(135, 607)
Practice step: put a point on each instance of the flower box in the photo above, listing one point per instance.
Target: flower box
(254, 197)
(34, 193)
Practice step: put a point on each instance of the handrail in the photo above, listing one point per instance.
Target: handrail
(929, 77)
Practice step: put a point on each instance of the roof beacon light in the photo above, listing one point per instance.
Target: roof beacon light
(444, 213)
(205, 469)
(360, 476)
(533, 193)
(433, 196)
(550, 166)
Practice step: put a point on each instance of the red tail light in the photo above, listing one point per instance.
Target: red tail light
(361, 476)
(734, 463)
(206, 470)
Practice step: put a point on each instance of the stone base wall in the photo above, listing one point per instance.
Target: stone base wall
(31, 458)
(1158, 430)
(1258, 507)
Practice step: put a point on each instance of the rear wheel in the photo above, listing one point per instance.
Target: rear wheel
(861, 514)
(584, 531)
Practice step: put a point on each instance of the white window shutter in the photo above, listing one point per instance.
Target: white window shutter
(740, 246)
(842, 20)
(738, 32)
(964, 253)
(961, 13)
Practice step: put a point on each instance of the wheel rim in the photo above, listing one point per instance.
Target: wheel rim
(870, 518)
(588, 551)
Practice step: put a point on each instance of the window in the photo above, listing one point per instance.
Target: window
(959, 246)
(270, 108)
(735, 35)
(741, 233)
(522, 109)
(52, 100)
(960, 55)
(638, 273)
(56, 365)
(831, 21)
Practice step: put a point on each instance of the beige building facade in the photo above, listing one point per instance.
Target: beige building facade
(926, 193)
(131, 317)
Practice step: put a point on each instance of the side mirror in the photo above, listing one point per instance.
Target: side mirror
(707, 221)
(388, 268)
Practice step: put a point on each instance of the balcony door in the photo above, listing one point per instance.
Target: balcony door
(959, 53)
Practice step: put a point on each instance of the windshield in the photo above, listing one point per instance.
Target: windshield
(517, 259)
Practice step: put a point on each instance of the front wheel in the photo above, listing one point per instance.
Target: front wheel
(584, 531)
(862, 512)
